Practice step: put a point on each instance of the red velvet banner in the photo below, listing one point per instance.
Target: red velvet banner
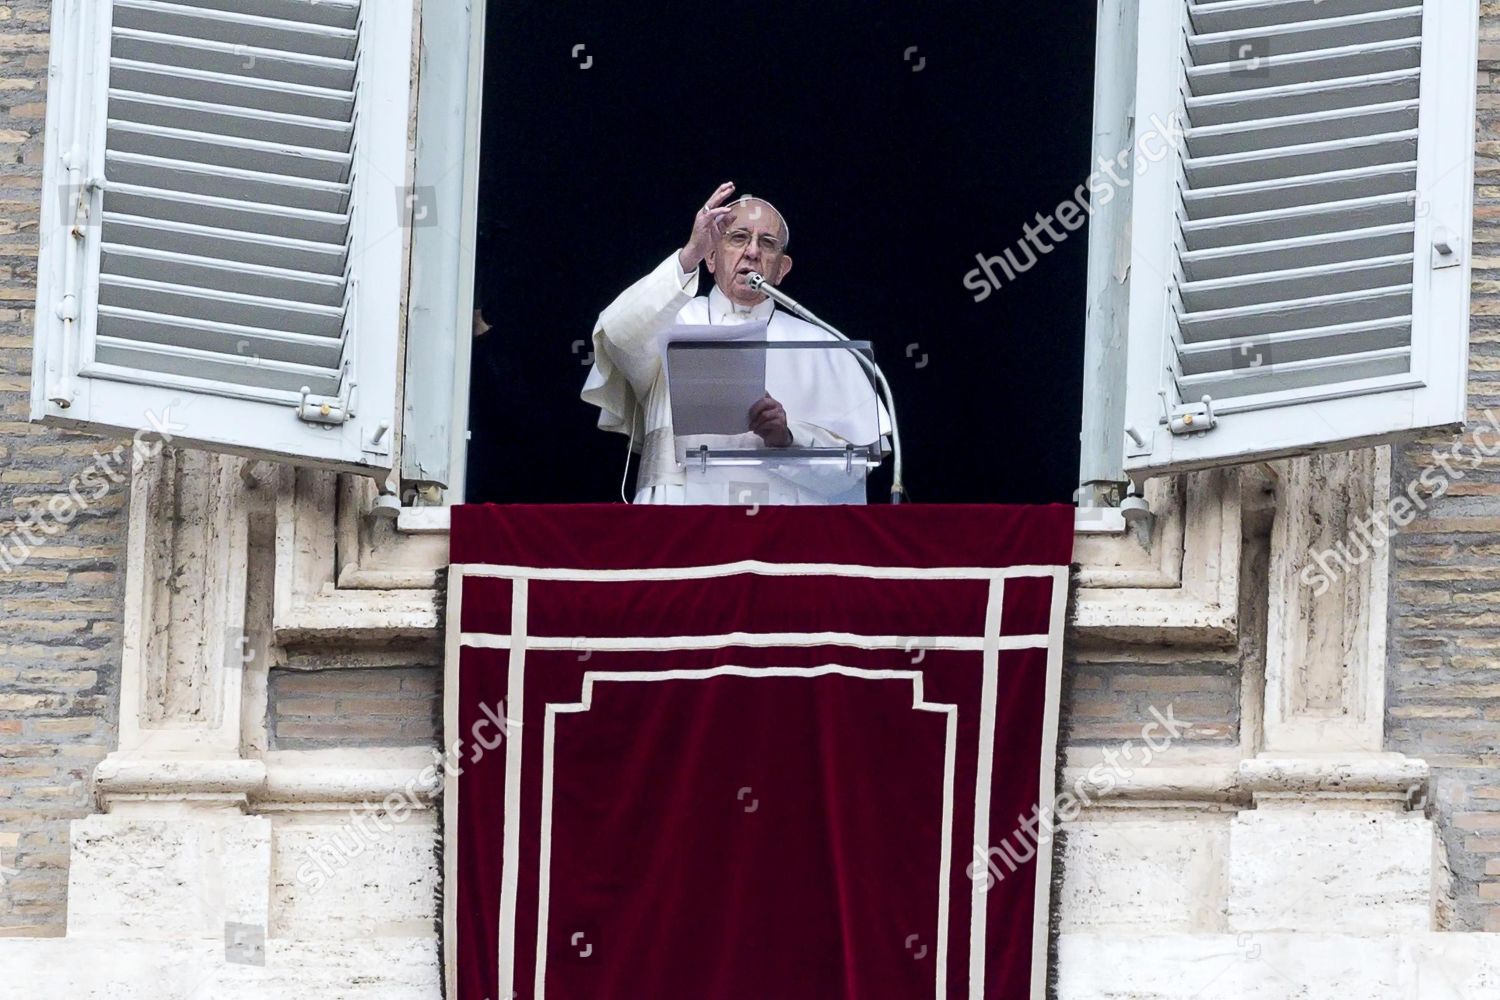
(739, 753)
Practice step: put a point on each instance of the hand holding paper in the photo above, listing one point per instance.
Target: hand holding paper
(768, 419)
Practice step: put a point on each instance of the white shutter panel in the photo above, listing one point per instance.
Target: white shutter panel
(1288, 258)
(222, 238)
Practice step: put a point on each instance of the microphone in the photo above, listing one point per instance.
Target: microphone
(759, 284)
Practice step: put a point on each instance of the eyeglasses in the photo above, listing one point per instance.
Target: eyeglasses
(740, 238)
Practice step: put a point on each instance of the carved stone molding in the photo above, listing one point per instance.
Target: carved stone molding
(1153, 561)
(337, 780)
(128, 784)
(373, 555)
(1385, 779)
(323, 591)
(1182, 583)
(1199, 788)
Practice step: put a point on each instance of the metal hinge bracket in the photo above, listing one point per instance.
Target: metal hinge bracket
(1189, 418)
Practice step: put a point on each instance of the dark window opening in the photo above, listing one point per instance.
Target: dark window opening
(898, 144)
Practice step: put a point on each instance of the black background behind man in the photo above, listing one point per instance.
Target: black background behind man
(902, 141)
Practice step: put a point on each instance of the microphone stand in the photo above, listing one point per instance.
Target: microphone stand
(760, 284)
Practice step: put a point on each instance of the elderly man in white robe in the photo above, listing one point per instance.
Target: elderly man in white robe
(628, 380)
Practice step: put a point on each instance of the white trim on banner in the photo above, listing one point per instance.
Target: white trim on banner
(989, 645)
(950, 738)
(960, 643)
(757, 567)
(510, 880)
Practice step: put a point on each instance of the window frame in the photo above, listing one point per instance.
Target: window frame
(436, 381)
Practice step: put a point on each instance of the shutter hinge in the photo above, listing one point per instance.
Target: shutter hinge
(1189, 418)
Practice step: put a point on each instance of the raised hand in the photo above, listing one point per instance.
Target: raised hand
(708, 226)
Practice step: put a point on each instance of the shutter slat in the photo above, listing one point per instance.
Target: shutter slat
(257, 62)
(1315, 311)
(1305, 98)
(1307, 67)
(1298, 252)
(1271, 288)
(227, 276)
(335, 13)
(1283, 376)
(239, 185)
(174, 360)
(1296, 345)
(1308, 35)
(331, 103)
(1300, 220)
(218, 306)
(1265, 196)
(224, 213)
(1300, 161)
(221, 338)
(248, 123)
(230, 151)
(235, 28)
(1235, 15)
(1296, 130)
(271, 250)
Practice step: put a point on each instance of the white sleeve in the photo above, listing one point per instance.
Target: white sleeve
(806, 435)
(627, 358)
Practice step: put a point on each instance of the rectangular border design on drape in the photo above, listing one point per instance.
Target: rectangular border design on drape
(962, 606)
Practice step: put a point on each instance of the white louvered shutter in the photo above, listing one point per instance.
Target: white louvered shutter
(1300, 250)
(222, 238)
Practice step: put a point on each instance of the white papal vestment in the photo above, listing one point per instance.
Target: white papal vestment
(628, 379)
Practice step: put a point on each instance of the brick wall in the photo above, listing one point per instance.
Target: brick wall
(1443, 681)
(386, 706)
(1109, 694)
(61, 606)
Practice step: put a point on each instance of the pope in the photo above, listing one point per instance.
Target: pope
(628, 382)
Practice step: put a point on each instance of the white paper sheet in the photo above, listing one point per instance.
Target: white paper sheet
(712, 391)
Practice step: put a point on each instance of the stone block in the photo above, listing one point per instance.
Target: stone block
(168, 878)
(1360, 871)
(340, 876)
(1122, 875)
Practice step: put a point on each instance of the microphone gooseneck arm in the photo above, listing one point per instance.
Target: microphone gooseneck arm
(759, 284)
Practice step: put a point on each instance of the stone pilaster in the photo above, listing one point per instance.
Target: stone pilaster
(184, 645)
(176, 790)
(1330, 844)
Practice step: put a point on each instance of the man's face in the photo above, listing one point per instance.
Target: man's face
(754, 241)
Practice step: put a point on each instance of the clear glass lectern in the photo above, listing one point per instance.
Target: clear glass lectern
(833, 413)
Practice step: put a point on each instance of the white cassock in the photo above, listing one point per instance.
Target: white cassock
(629, 385)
